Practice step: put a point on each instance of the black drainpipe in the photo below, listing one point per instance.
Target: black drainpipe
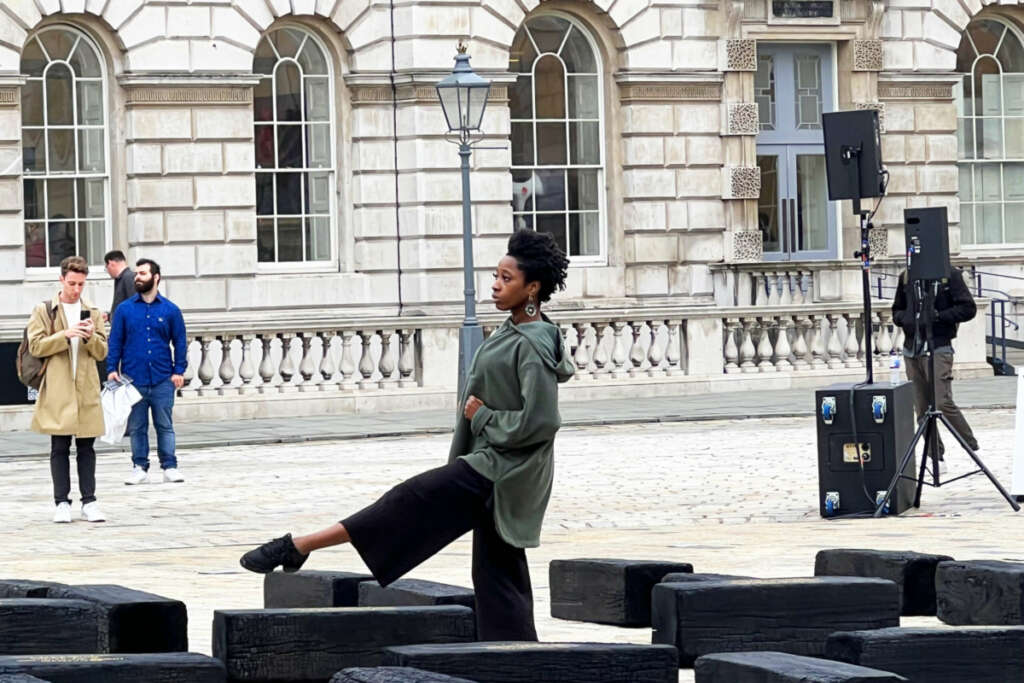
(394, 140)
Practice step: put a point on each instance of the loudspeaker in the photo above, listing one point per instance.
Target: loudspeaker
(853, 145)
(884, 417)
(927, 235)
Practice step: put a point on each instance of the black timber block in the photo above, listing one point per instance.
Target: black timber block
(522, 662)
(20, 588)
(781, 667)
(786, 615)
(36, 626)
(913, 573)
(312, 589)
(679, 577)
(20, 678)
(976, 654)
(165, 667)
(607, 591)
(414, 592)
(137, 622)
(393, 674)
(314, 644)
(980, 592)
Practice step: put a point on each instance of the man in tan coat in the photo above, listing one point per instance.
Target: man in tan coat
(68, 333)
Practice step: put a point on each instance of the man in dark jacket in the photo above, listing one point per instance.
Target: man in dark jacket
(953, 305)
(124, 278)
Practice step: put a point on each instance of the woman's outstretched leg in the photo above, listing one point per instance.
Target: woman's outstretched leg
(291, 553)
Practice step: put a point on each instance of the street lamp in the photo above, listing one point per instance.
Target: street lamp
(463, 97)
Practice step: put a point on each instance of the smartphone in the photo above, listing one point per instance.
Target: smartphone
(84, 315)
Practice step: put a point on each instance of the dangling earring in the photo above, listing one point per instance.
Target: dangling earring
(531, 307)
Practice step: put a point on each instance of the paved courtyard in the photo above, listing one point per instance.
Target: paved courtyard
(730, 496)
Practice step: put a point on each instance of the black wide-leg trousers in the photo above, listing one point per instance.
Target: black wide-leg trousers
(422, 515)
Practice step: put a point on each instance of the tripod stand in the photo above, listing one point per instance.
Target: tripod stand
(927, 428)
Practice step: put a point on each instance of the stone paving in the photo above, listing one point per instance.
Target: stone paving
(730, 496)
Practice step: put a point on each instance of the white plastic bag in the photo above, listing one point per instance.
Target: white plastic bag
(117, 399)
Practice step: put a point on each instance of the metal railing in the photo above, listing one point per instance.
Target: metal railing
(997, 334)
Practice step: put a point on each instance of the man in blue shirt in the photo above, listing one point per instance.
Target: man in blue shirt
(144, 328)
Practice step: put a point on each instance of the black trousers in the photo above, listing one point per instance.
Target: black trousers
(60, 467)
(420, 516)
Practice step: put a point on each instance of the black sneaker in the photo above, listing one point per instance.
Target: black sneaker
(280, 551)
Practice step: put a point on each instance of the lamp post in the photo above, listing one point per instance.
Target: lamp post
(463, 97)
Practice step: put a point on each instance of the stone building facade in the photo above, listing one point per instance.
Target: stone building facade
(287, 159)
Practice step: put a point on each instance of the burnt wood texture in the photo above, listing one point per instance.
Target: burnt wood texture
(980, 592)
(913, 573)
(36, 626)
(980, 654)
(607, 591)
(412, 592)
(780, 667)
(313, 644)
(677, 577)
(522, 662)
(21, 588)
(393, 674)
(312, 589)
(166, 667)
(785, 615)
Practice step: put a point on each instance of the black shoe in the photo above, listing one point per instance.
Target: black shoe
(280, 551)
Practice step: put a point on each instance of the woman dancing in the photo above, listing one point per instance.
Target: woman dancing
(498, 478)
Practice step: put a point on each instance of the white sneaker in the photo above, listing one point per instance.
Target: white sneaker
(138, 476)
(91, 513)
(62, 515)
(173, 476)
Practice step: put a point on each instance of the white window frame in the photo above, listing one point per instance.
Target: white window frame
(972, 163)
(601, 258)
(328, 265)
(48, 273)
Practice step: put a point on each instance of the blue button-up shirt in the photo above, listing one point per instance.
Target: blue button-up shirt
(141, 337)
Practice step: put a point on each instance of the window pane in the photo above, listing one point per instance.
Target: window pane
(33, 151)
(583, 189)
(35, 245)
(287, 41)
(764, 91)
(522, 221)
(263, 140)
(522, 54)
(520, 98)
(90, 103)
(264, 194)
(62, 240)
(988, 183)
(312, 59)
(576, 53)
(61, 148)
(550, 88)
(263, 100)
(58, 96)
(318, 100)
(584, 142)
(553, 224)
(33, 192)
(289, 87)
(318, 239)
(966, 183)
(1013, 94)
(965, 138)
(548, 32)
(289, 194)
(986, 34)
(584, 235)
(1014, 222)
(583, 99)
(551, 143)
(549, 188)
(90, 197)
(289, 239)
(522, 190)
(522, 144)
(32, 59)
(90, 241)
(90, 156)
(1014, 138)
(318, 138)
(989, 84)
(967, 223)
(768, 202)
(60, 199)
(32, 103)
(84, 61)
(265, 239)
(1013, 182)
(264, 60)
(289, 147)
(808, 92)
(318, 200)
(58, 43)
(812, 219)
(990, 230)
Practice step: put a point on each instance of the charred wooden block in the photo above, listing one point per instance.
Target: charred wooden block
(780, 667)
(30, 626)
(20, 588)
(607, 591)
(980, 592)
(312, 589)
(913, 573)
(979, 654)
(166, 667)
(678, 577)
(313, 644)
(787, 615)
(392, 674)
(136, 621)
(521, 662)
(412, 592)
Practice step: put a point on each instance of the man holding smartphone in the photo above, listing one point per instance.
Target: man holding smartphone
(66, 331)
(144, 328)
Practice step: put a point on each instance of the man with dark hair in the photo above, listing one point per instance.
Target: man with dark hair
(145, 326)
(124, 278)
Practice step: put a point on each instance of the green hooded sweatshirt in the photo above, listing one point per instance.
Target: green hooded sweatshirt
(511, 438)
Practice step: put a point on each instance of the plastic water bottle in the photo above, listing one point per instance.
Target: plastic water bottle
(895, 369)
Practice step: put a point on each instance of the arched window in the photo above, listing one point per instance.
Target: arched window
(557, 150)
(990, 132)
(64, 148)
(294, 148)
